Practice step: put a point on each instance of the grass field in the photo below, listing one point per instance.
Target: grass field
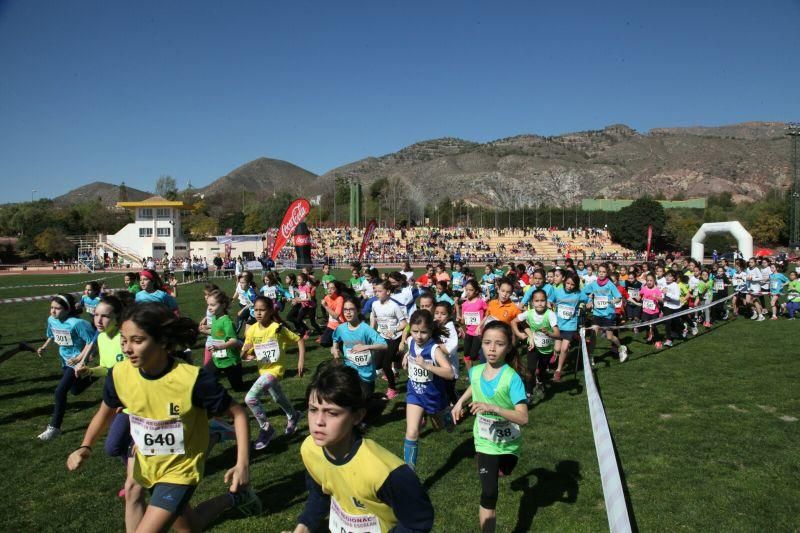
(707, 435)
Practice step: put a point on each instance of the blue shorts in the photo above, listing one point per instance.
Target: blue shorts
(171, 497)
(430, 403)
(566, 335)
(604, 322)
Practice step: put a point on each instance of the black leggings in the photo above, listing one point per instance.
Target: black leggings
(385, 358)
(69, 383)
(672, 322)
(540, 361)
(472, 347)
(297, 315)
(489, 469)
(326, 339)
(233, 373)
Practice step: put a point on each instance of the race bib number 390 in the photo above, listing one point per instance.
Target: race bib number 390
(157, 437)
(418, 373)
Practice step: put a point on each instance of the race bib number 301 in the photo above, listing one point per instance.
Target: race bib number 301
(62, 337)
(157, 437)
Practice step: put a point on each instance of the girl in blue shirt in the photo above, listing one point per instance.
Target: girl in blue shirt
(90, 298)
(151, 291)
(71, 334)
(604, 294)
(777, 280)
(567, 301)
(357, 341)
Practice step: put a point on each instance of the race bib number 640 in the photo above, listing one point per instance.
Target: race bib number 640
(157, 437)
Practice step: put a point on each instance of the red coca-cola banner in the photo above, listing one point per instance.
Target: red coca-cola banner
(367, 236)
(228, 246)
(294, 215)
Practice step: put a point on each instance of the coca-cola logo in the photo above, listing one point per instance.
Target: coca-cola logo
(299, 211)
(302, 240)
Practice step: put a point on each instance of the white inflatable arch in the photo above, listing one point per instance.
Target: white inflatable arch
(744, 239)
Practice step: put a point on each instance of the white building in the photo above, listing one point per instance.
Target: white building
(155, 231)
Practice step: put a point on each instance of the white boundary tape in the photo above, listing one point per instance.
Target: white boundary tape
(616, 507)
(55, 284)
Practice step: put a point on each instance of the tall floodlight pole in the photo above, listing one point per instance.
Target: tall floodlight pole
(793, 131)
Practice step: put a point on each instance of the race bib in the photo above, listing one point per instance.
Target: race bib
(472, 318)
(458, 284)
(341, 521)
(541, 339)
(719, 286)
(157, 437)
(565, 312)
(648, 305)
(304, 297)
(775, 285)
(268, 352)
(497, 430)
(418, 373)
(385, 328)
(633, 293)
(62, 337)
(600, 302)
(217, 352)
(360, 358)
(90, 309)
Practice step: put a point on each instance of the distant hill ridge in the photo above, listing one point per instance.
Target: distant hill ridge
(747, 159)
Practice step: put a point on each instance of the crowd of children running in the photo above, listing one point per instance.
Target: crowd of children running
(460, 335)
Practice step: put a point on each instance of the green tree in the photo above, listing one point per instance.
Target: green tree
(123, 192)
(53, 243)
(202, 227)
(267, 214)
(166, 187)
(629, 225)
(234, 221)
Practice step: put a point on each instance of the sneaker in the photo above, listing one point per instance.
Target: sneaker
(685, 332)
(391, 394)
(246, 501)
(659, 345)
(222, 430)
(694, 330)
(760, 318)
(754, 316)
(725, 316)
(557, 376)
(668, 343)
(774, 318)
(49, 434)
(706, 325)
(291, 425)
(121, 493)
(553, 359)
(263, 438)
(623, 354)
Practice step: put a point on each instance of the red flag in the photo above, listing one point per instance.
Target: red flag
(649, 240)
(291, 219)
(367, 236)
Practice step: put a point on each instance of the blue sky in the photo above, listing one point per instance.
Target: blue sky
(128, 91)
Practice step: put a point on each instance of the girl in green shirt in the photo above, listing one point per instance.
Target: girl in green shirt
(225, 347)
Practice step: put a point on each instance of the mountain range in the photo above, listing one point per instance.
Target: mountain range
(746, 159)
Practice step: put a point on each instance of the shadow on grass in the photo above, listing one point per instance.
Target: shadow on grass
(466, 449)
(551, 487)
(27, 392)
(397, 413)
(45, 410)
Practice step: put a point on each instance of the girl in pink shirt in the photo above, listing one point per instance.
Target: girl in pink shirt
(651, 304)
(473, 311)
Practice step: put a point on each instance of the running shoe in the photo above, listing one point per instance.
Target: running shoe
(694, 330)
(49, 434)
(222, 430)
(659, 345)
(774, 318)
(121, 493)
(755, 316)
(391, 394)
(685, 332)
(760, 318)
(246, 501)
(725, 315)
(291, 425)
(668, 343)
(263, 438)
(557, 376)
(623, 354)
(706, 324)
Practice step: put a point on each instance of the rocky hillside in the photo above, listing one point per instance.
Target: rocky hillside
(616, 162)
(261, 177)
(107, 193)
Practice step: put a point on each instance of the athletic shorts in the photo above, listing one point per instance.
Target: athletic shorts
(604, 322)
(566, 335)
(431, 404)
(171, 497)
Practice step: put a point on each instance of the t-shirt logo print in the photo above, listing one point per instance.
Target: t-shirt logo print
(358, 503)
(174, 410)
